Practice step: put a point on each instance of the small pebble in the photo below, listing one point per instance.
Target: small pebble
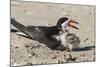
(90, 13)
(59, 61)
(83, 55)
(16, 47)
(33, 53)
(27, 46)
(54, 57)
(29, 63)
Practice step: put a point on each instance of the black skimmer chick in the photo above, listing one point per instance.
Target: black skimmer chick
(49, 33)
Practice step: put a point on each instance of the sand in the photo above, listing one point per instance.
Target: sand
(25, 51)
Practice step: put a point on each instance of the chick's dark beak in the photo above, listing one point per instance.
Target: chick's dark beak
(72, 24)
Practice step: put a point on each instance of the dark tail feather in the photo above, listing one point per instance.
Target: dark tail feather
(13, 30)
(21, 27)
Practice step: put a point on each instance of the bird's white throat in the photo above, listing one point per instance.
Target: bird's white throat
(64, 25)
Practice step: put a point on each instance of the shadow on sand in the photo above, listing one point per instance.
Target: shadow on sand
(84, 48)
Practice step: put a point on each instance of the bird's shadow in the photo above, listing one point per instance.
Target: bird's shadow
(84, 48)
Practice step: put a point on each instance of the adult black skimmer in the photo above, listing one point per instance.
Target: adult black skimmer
(35, 32)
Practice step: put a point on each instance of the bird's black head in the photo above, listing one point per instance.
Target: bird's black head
(65, 22)
(60, 21)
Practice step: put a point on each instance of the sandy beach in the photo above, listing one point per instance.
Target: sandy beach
(25, 51)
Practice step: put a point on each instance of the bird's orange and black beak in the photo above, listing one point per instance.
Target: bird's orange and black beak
(72, 23)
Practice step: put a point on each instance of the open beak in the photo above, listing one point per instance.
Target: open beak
(72, 23)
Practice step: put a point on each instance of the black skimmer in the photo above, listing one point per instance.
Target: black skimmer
(50, 33)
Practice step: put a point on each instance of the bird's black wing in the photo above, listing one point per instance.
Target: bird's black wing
(22, 28)
(41, 34)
